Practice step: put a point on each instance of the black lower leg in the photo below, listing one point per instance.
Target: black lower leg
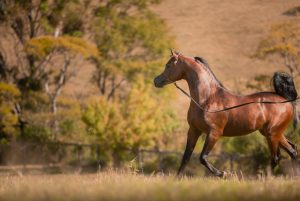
(190, 145)
(291, 149)
(279, 155)
(293, 145)
(274, 162)
(212, 169)
(185, 159)
(210, 141)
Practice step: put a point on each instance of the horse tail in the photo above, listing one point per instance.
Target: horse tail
(296, 117)
(284, 86)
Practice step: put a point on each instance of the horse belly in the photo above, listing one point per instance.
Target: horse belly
(237, 131)
(243, 123)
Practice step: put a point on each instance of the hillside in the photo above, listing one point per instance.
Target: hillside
(226, 34)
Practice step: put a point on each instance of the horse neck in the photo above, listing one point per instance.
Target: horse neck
(202, 85)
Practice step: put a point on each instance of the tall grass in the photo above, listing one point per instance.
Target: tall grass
(124, 186)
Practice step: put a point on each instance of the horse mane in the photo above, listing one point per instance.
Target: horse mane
(204, 62)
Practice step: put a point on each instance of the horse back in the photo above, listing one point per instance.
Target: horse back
(258, 115)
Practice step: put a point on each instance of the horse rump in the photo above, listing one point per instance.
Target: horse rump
(284, 86)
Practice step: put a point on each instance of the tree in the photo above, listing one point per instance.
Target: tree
(9, 96)
(28, 19)
(47, 40)
(130, 38)
(137, 121)
(123, 38)
(48, 48)
(284, 40)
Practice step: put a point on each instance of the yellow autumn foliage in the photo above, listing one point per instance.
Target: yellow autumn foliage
(42, 46)
(283, 39)
(9, 95)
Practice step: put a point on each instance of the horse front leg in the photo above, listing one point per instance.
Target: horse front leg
(210, 141)
(192, 138)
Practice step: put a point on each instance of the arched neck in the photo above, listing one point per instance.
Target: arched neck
(202, 85)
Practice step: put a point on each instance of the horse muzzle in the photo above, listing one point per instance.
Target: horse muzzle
(160, 81)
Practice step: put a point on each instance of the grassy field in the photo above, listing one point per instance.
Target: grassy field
(121, 186)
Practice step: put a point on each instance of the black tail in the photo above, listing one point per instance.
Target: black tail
(284, 86)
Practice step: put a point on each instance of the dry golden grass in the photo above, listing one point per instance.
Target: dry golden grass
(122, 186)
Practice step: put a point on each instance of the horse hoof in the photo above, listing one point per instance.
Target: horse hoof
(222, 174)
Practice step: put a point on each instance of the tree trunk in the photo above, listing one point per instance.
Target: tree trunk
(55, 122)
(114, 86)
(53, 105)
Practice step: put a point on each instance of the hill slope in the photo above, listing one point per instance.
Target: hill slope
(226, 34)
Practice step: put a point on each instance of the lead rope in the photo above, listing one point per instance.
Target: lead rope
(228, 108)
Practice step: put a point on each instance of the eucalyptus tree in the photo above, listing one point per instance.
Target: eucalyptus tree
(131, 41)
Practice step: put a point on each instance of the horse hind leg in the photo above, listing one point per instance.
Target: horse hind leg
(273, 139)
(289, 147)
(279, 155)
(292, 144)
(274, 147)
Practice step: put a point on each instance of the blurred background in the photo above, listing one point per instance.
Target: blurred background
(76, 80)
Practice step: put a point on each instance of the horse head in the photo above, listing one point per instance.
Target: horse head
(173, 71)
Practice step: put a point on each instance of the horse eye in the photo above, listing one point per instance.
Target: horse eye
(168, 65)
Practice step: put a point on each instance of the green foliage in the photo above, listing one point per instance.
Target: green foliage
(50, 14)
(35, 102)
(131, 40)
(253, 146)
(40, 120)
(126, 41)
(37, 132)
(138, 121)
(33, 24)
(71, 127)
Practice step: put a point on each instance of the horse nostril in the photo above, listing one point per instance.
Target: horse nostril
(158, 82)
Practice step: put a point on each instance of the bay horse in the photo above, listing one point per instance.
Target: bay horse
(216, 111)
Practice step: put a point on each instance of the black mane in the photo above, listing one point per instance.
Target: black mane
(203, 61)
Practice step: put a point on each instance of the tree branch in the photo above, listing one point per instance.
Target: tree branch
(114, 87)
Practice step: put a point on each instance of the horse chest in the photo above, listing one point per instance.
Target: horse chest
(196, 119)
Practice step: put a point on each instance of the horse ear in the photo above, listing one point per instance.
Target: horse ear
(172, 52)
